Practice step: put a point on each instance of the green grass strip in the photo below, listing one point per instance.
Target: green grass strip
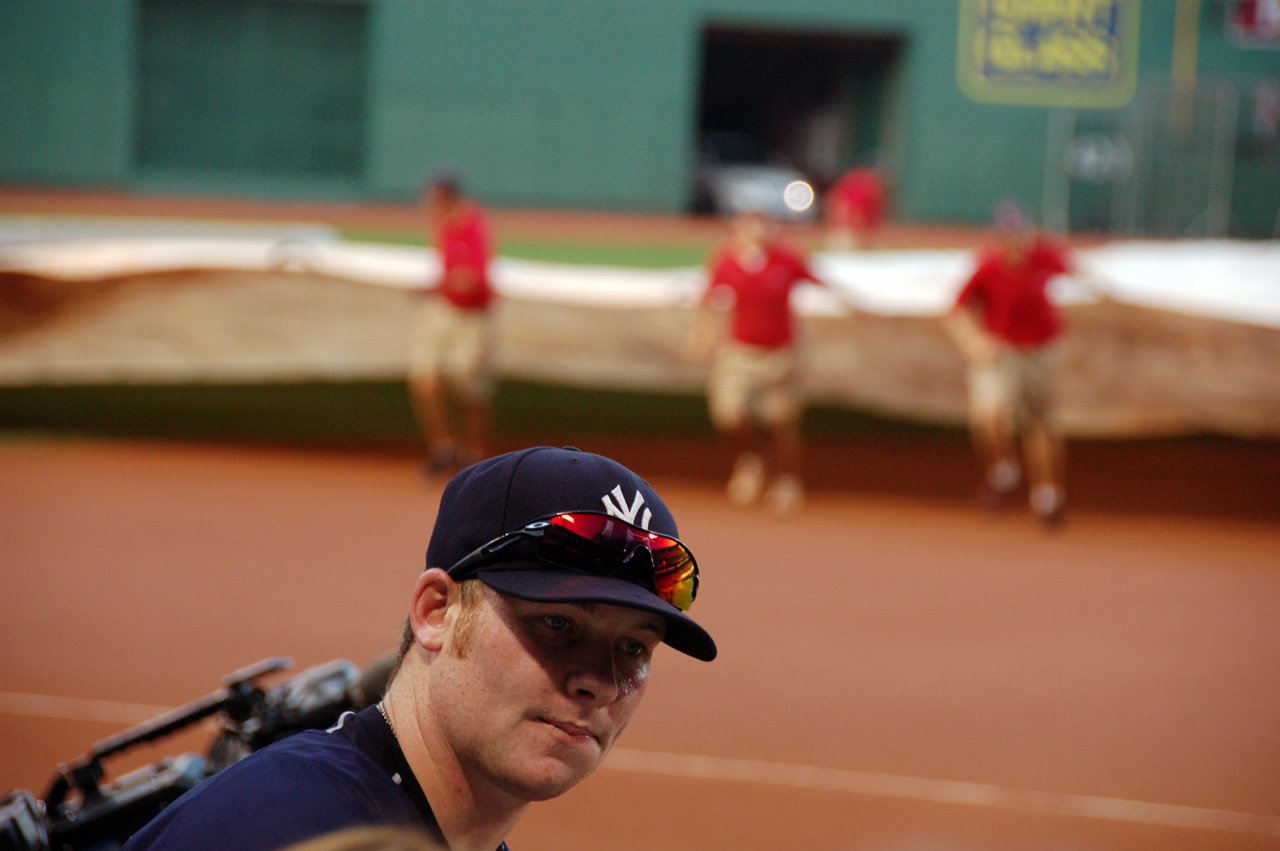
(660, 256)
(373, 414)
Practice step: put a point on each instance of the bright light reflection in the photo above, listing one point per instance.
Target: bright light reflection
(798, 196)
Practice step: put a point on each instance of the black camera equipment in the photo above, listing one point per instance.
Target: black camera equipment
(82, 813)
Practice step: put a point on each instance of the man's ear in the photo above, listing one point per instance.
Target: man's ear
(433, 608)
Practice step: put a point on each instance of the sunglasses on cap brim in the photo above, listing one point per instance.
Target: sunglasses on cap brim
(596, 544)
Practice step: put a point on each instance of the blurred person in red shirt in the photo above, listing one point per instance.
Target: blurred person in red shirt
(451, 348)
(1008, 330)
(855, 208)
(754, 387)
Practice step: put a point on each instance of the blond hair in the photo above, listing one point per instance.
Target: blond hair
(473, 591)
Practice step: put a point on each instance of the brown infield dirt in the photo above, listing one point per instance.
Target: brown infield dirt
(898, 672)
(895, 672)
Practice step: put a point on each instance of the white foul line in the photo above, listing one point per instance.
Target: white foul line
(782, 774)
(941, 791)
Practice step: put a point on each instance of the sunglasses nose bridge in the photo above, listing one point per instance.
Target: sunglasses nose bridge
(637, 567)
(629, 553)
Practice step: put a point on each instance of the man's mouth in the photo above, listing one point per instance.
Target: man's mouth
(575, 731)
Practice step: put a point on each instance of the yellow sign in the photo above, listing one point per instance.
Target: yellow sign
(1080, 53)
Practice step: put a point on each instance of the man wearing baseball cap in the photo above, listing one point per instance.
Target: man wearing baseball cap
(551, 577)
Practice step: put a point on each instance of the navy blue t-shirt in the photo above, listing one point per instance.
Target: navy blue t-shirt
(308, 784)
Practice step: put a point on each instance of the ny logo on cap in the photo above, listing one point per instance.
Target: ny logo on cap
(622, 512)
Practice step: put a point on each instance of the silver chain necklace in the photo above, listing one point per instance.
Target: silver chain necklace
(382, 709)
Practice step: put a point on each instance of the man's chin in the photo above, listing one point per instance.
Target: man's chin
(548, 780)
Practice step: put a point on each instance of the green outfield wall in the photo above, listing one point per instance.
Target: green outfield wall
(564, 103)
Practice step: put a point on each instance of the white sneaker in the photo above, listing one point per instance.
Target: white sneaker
(1004, 475)
(1047, 502)
(747, 481)
(785, 495)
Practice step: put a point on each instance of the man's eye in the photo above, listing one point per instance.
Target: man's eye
(558, 623)
(634, 648)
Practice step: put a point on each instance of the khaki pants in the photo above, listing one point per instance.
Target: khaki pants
(454, 344)
(750, 382)
(1019, 385)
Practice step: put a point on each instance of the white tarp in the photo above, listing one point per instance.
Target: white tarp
(1232, 280)
(1190, 342)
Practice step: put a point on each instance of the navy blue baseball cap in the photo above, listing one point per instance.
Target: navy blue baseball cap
(502, 494)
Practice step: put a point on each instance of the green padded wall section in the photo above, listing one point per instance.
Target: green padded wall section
(66, 90)
(252, 86)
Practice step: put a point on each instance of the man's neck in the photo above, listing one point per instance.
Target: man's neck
(472, 815)
(456, 213)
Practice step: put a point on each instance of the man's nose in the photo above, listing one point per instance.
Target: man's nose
(593, 675)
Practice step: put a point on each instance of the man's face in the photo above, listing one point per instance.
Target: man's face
(1013, 232)
(750, 228)
(439, 203)
(542, 691)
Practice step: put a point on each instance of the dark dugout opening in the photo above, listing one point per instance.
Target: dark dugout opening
(821, 102)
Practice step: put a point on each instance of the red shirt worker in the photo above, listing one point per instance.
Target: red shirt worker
(451, 348)
(1007, 327)
(856, 206)
(754, 389)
